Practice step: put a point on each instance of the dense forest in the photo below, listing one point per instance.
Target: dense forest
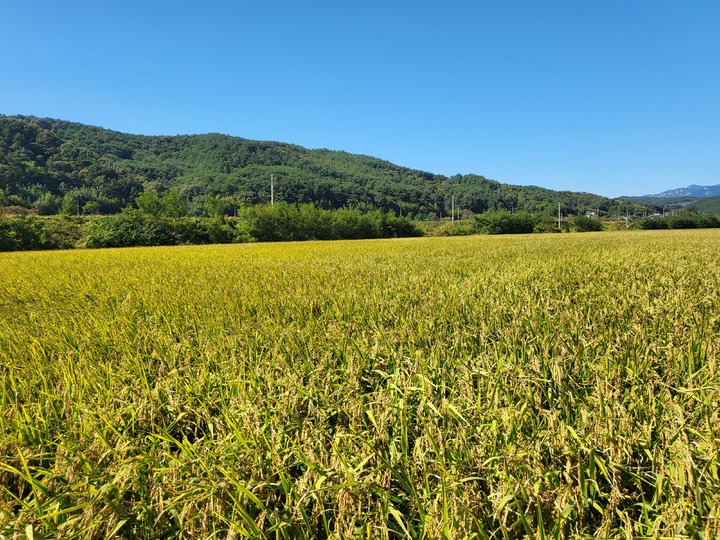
(58, 167)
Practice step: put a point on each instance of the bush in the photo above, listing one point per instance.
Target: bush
(286, 222)
(34, 233)
(136, 228)
(463, 228)
(708, 222)
(503, 222)
(683, 222)
(545, 223)
(132, 228)
(9, 240)
(61, 232)
(687, 221)
(586, 224)
(652, 223)
(392, 226)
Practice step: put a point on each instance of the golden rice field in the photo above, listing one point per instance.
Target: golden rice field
(547, 386)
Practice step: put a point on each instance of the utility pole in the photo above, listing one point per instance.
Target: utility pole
(272, 189)
(559, 216)
(627, 216)
(77, 204)
(452, 209)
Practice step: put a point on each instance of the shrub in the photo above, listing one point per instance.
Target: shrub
(683, 222)
(586, 224)
(286, 222)
(132, 228)
(503, 222)
(34, 233)
(463, 228)
(686, 221)
(652, 223)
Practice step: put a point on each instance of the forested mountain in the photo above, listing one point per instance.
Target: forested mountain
(55, 166)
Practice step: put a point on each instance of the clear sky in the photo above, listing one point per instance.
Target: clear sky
(615, 97)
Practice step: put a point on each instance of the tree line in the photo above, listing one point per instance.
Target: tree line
(261, 223)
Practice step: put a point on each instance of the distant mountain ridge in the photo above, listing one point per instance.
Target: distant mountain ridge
(692, 190)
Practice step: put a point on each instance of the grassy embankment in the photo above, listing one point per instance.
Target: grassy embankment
(487, 387)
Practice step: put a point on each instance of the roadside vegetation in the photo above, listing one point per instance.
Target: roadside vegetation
(550, 386)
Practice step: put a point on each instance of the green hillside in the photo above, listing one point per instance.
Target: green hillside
(54, 166)
(706, 205)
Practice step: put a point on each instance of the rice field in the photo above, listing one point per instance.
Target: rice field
(547, 386)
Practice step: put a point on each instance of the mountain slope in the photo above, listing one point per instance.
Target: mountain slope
(58, 166)
(706, 205)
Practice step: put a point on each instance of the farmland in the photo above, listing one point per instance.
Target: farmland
(478, 387)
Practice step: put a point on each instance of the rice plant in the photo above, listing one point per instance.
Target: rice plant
(555, 386)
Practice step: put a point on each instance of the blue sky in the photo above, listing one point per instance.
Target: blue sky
(615, 97)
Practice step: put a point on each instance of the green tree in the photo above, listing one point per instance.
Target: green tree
(149, 203)
(214, 206)
(91, 207)
(47, 204)
(173, 204)
(69, 205)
